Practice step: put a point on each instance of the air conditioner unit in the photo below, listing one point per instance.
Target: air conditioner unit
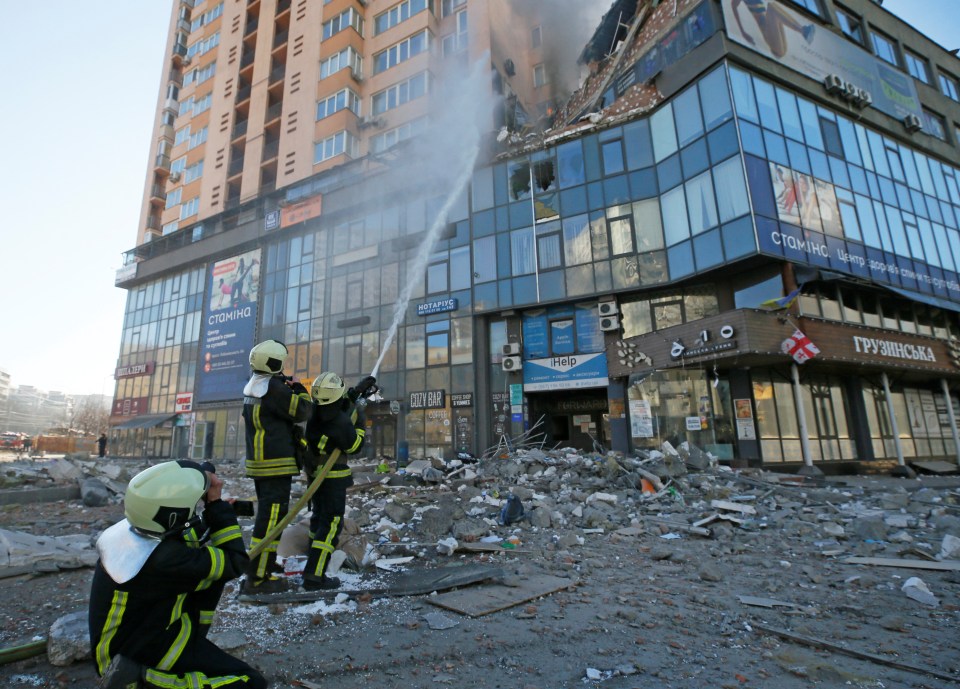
(367, 122)
(607, 308)
(174, 176)
(833, 83)
(187, 60)
(609, 323)
(511, 363)
(912, 123)
(511, 348)
(849, 91)
(863, 99)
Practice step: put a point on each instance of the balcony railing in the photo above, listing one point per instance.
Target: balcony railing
(157, 192)
(280, 38)
(251, 26)
(277, 73)
(243, 93)
(283, 6)
(247, 59)
(235, 167)
(239, 129)
(180, 49)
(270, 150)
(162, 161)
(273, 112)
(153, 222)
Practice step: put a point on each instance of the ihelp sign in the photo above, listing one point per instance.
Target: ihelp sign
(183, 403)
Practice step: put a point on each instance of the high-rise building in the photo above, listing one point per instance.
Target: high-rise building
(742, 231)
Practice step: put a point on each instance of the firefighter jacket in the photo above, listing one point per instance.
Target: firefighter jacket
(270, 410)
(326, 433)
(159, 612)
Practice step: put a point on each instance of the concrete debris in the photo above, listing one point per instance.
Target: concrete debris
(23, 553)
(94, 493)
(69, 639)
(917, 590)
(950, 549)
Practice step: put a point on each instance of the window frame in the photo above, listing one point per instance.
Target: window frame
(853, 22)
(917, 66)
(878, 37)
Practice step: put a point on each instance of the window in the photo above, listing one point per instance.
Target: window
(885, 48)
(193, 172)
(539, 76)
(850, 25)
(178, 165)
(173, 198)
(345, 99)
(809, 5)
(197, 139)
(200, 74)
(181, 135)
(948, 85)
(536, 37)
(449, 6)
(401, 52)
(917, 66)
(933, 125)
(191, 207)
(397, 14)
(338, 144)
(343, 21)
(206, 18)
(391, 137)
(347, 57)
(205, 45)
(456, 42)
(401, 93)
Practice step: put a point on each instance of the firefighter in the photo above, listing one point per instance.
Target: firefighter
(273, 405)
(159, 579)
(331, 428)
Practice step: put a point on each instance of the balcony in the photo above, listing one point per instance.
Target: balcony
(280, 38)
(243, 93)
(277, 74)
(180, 50)
(153, 223)
(251, 26)
(239, 129)
(235, 167)
(273, 112)
(162, 160)
(157, 193)
(282, 6)
(247, 59)
(270, 150)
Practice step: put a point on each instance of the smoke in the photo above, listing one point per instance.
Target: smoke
(567, 26)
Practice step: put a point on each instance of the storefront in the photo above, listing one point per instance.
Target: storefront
(763, 387)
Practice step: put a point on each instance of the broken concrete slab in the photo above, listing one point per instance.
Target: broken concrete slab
(22, 552)
(69, 639)
(487, 599)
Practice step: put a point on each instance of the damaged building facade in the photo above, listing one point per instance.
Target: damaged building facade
(742, 231)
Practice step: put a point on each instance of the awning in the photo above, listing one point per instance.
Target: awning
(926, 298)
(145, 421)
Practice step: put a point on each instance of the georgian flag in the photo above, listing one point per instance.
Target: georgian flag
(799, 347)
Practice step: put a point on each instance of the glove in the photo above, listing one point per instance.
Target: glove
(361, 388)
(298, 388)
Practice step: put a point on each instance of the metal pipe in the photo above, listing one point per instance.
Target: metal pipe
(801, 416)
(893, 419)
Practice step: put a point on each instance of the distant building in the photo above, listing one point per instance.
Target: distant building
(743, 231)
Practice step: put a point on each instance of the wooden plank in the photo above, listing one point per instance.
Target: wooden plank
(861, 655)
(484, 600)
(944, 566)
(415, 583)
(732, 506)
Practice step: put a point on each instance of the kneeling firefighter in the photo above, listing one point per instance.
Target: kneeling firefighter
(331, 428)
(159, 579)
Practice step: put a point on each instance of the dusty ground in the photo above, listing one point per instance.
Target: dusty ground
(641, 610)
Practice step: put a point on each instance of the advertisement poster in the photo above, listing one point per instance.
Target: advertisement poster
(745, 427)
(566, 372)
(229, 325)
(641, 421)
(772, 29)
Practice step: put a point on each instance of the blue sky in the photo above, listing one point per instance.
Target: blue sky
(77, 122)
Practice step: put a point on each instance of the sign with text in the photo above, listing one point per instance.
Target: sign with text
(183, 402)
(144, 369)
(305, 210)
(428, 399)
(229, 324)
(565, 372)
(462, 399)
(130, 406)
(439, 306)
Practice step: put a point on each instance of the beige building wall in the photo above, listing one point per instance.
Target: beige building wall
(261, 126)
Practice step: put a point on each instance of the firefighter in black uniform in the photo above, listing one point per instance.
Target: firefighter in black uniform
(273, 405)
(160, 576)
(331, 428)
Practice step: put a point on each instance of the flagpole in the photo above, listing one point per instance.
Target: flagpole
(808, 468)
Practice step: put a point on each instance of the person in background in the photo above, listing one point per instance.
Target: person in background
(159, 579)
(102, 445)
(272, 406)
(331, 428)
